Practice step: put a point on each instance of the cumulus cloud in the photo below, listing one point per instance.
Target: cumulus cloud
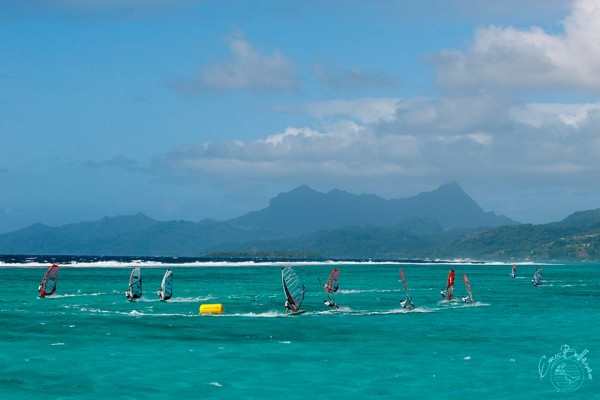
(548, 144)
(505, 57)
(487, 140)
(540, 115)
(245, 69)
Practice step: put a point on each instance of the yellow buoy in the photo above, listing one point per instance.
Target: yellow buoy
(211, 308)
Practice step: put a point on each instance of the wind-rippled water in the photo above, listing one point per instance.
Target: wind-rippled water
(88, 341)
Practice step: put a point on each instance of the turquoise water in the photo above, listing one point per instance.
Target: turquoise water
(88, 341)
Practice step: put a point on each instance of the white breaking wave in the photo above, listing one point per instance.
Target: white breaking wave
(159, 264)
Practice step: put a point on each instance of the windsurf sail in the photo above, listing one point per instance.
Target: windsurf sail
(166, 286)
(48, 285)
(332, 286)
(469, 298)
(449, 292)
(537, 277)
(135, 284)
(293, 289)
(513, 273)
(333, 282)
(408, 303)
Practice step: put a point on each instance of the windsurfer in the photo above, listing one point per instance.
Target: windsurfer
(408, 303)
(443, 293)
(467, 300)
(288, 308)
(330, 302)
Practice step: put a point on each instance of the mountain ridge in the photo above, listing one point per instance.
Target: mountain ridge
(308, 210)
(294, 214)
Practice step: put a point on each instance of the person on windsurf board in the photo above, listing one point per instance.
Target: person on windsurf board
(448, 293)
(48, 285)
(468, 299)
(332, 286)
(537, 277)
(330, 302)
(408, 303)
(293, 289)
(288, 308)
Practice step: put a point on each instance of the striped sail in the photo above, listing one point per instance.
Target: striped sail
(292, 287)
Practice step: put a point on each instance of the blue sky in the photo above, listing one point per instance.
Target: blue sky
(208, 109)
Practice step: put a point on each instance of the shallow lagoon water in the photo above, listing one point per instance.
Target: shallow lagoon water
(88, 341)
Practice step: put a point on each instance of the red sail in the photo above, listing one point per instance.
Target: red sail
(333, 282)
(404, 281)
(450, 285)
(48, 285)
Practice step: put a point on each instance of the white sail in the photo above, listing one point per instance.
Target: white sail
(135, 284)
(166, 286)
(537, 277)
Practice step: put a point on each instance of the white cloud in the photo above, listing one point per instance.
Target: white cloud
(484, 139)
(505, 57)
(367, 110)
(550, 144)
(246, 69)
(540, 115)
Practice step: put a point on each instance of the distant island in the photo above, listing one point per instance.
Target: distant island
(306, 224)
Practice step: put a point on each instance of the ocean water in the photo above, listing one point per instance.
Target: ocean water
(88, 341)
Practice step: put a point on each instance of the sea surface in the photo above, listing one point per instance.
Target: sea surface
(88, 341)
